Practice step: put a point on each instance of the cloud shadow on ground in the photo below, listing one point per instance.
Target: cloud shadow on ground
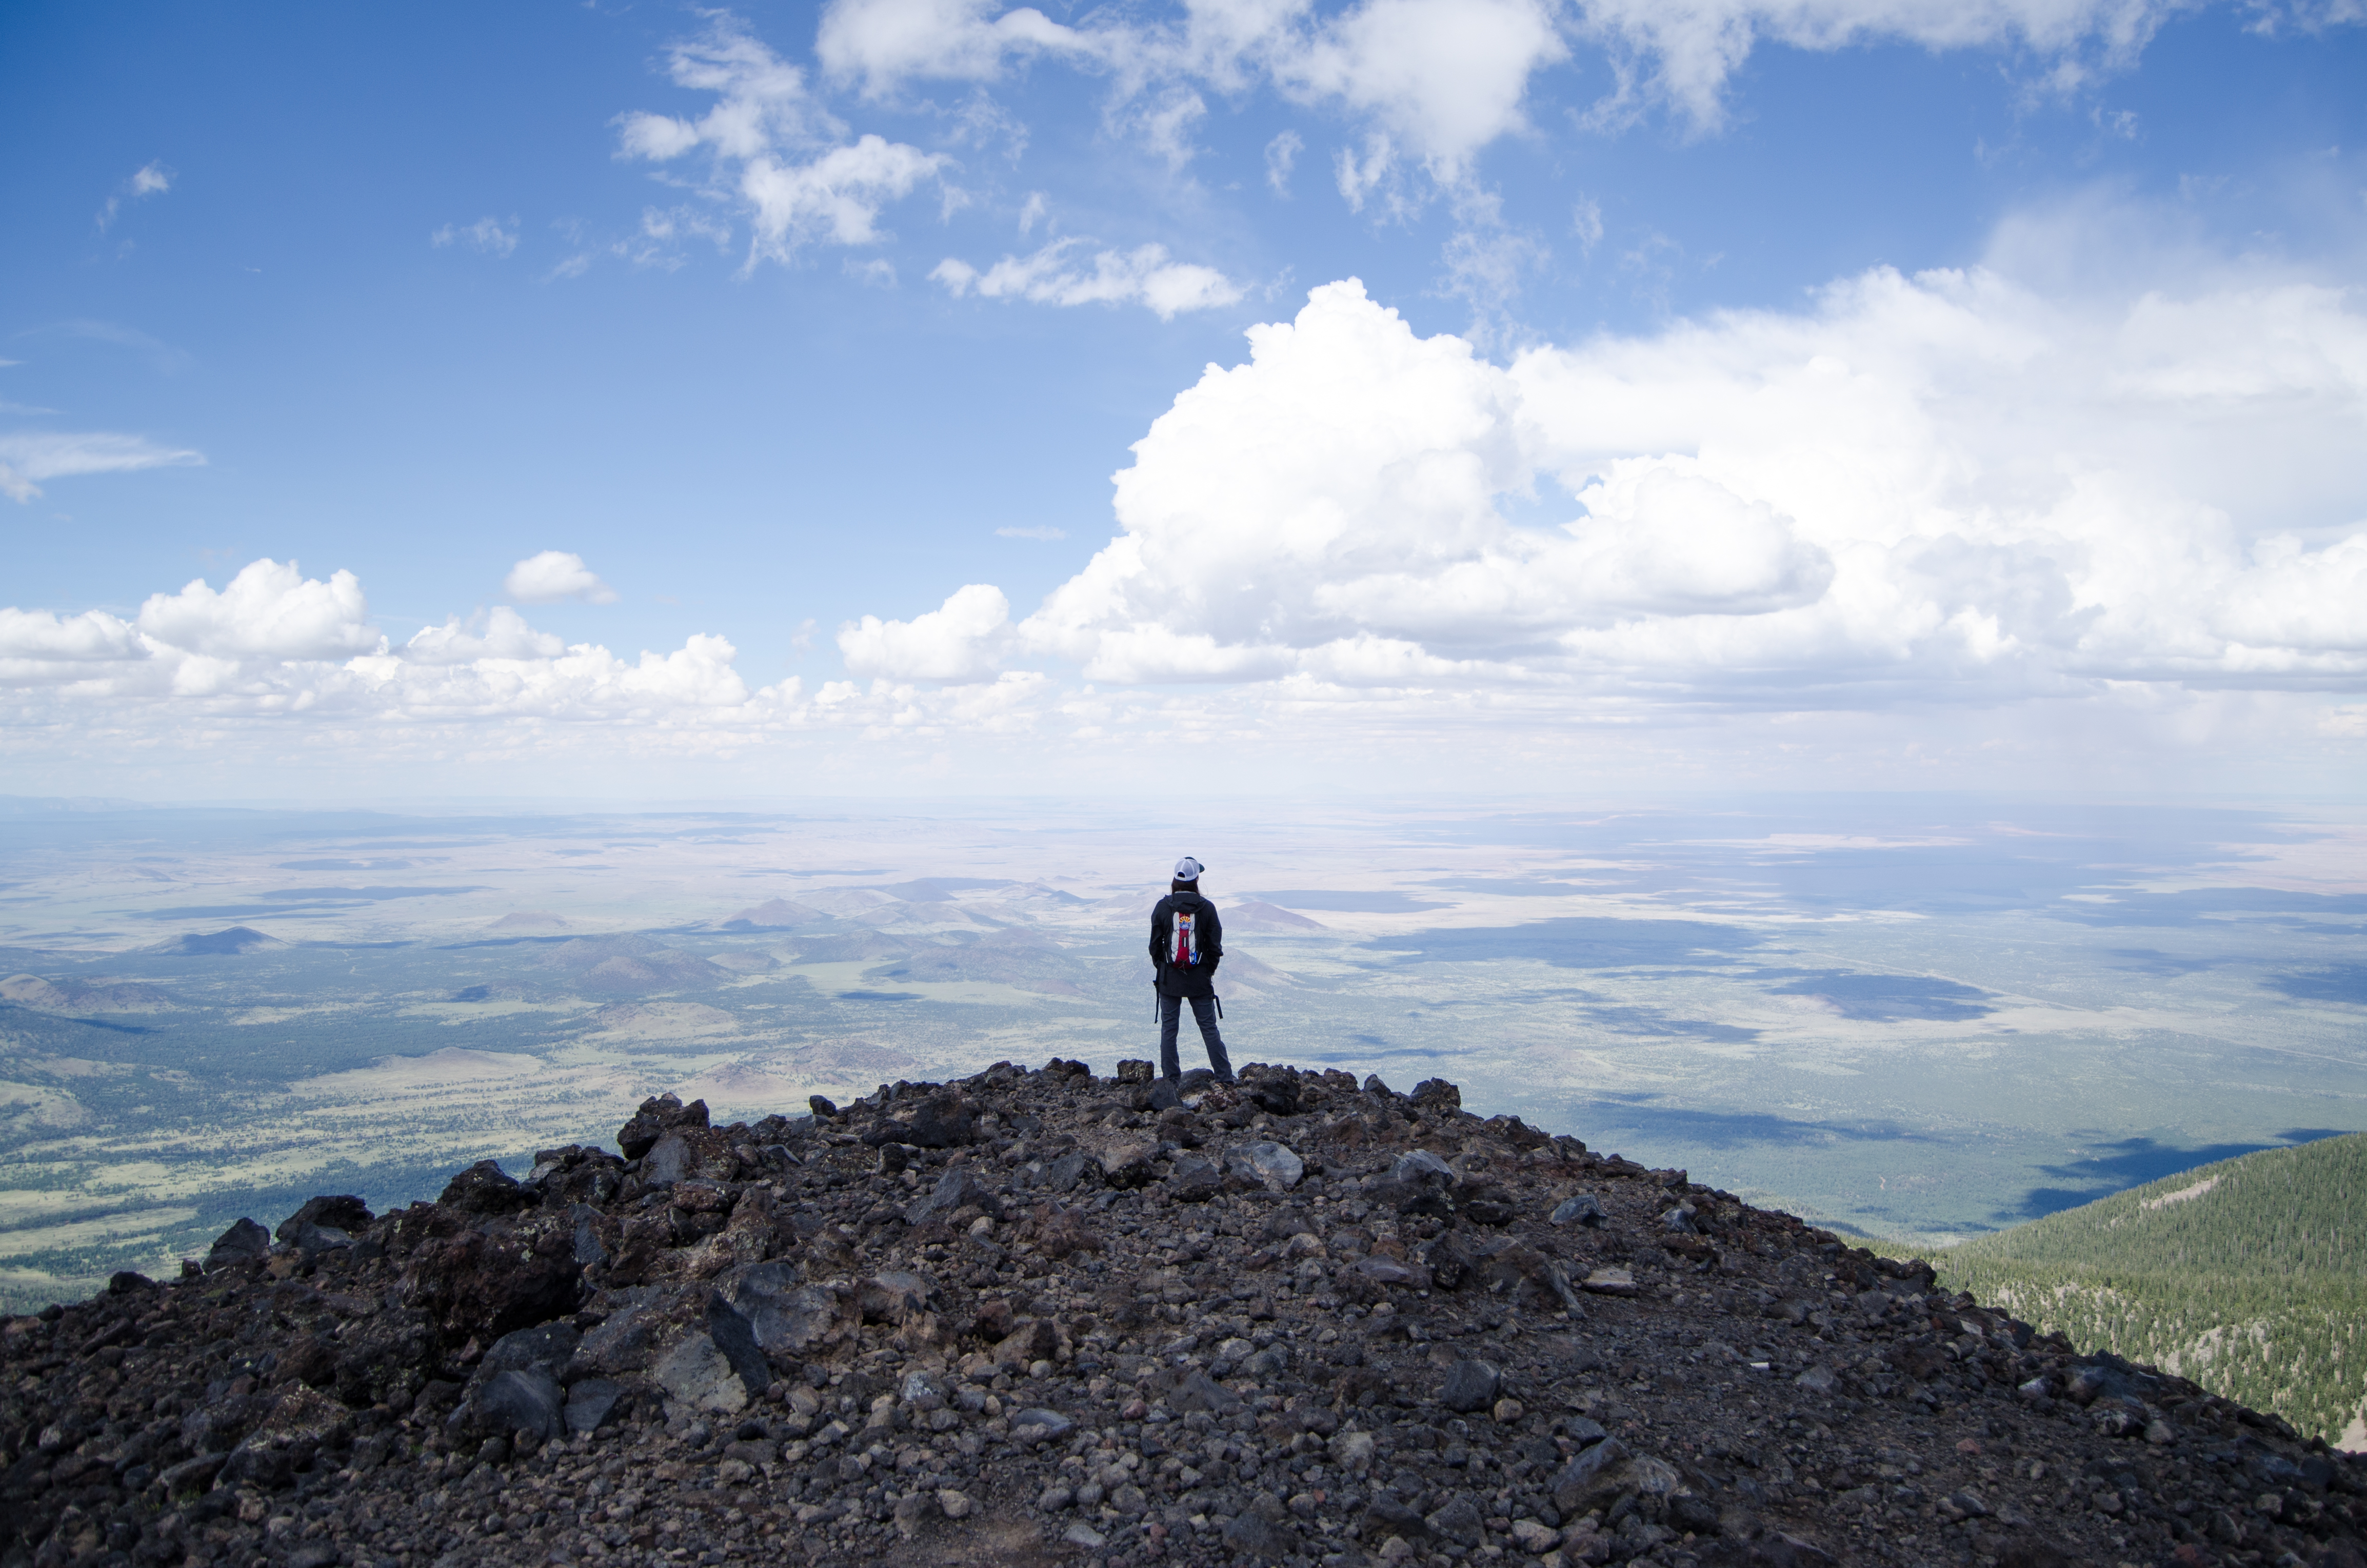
(2343, 982)
(1652, 1021)
(1575, 942)
(1888, 998)
(1727, 1129)
(2194, 906)
(1337, 900)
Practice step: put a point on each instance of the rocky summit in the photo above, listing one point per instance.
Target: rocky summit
(1038, 1317)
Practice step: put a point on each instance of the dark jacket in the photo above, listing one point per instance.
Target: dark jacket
(1198, 982)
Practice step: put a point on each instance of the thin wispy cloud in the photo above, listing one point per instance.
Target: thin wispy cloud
(163, 355)
(29, 457)
(150, 179)
(488, 236)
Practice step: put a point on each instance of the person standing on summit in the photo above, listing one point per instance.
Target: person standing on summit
(1186, 943)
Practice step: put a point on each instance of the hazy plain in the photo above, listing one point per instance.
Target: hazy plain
(1925, 1016)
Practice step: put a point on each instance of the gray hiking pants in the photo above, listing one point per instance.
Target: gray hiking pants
(1204, 1013)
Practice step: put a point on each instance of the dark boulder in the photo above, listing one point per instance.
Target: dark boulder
(515, 1401)
(956, 1189)
(1276, 1095)
(1437, 1094)
(1459, 1520)
(1255, 1537)
(341, 1212)
(1451, 1261)
(244, 1242)
(1384, 1518)
(592, 1404)
(943, 1119)
(485, 1188)
(546, 1348)
(736, 1338)
(659, 1115)
(483, 1280)
(1198, 1390)
(1194, 1180)
(1063, 1173)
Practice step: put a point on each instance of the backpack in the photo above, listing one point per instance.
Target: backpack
(1184, 951)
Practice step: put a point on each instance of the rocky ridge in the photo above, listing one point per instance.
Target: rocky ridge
(1040, 1317)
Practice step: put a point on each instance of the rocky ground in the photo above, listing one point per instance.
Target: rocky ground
(1041, 1317)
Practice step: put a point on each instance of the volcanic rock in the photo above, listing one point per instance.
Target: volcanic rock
(1025, 1319)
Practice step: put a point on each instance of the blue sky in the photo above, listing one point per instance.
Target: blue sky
(732, 398)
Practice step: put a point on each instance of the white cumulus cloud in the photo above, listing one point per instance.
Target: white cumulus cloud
(42, 634)
(1061, 275)
(270, 610)
(961, 641)
(27, 457)
(547, 576)
(1941, 488)
(503, 634)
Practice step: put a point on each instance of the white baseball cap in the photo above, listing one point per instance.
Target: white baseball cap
(1187, 870)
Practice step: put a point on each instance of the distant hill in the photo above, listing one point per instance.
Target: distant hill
(2248, 1276)
(633, 965)
(528, 920)
(1018, 959)
(1256, 914)
(779, 912)
(80, 996)
(218, 944)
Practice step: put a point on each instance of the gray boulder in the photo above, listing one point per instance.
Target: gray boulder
(669, 1161)
(1063, 1173)
(1198, 1390)
(515, 1401)
(1459, 1520)
(1273, 1165)
(698, 1375)
(592, 1403)
(1578, 1484)
(1254, 1536)
(955, 1190)
(1033, 1426)
(1417, 1166)
(1579, 1209)
(546, 1351)
(1471, 1385)
(787, 1318)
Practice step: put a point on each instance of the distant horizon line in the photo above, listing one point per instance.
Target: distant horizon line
(875, 802)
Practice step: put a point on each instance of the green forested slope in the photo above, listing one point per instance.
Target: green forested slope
(2248, 1276)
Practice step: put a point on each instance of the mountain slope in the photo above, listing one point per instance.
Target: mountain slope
(2248, 1276)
